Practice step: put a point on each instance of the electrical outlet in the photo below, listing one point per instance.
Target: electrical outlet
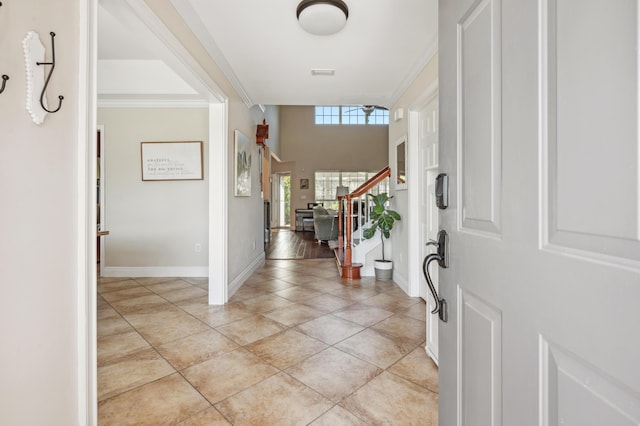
(198, 248)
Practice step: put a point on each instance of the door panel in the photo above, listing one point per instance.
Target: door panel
(577, 156)
(479, 137)
(541, 146)
(479, 356)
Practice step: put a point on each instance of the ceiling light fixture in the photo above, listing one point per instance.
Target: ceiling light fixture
(322, 17)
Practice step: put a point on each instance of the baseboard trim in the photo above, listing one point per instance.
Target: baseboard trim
(155, 271)
(245, 274)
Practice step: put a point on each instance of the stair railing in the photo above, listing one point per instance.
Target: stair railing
(348, 220)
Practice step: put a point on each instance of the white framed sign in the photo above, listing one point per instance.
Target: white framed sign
(171, 160)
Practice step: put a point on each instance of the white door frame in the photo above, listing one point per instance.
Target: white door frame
(416, 188)
(86, 282)
(101, 192)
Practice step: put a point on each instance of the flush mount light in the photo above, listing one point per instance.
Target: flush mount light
(322, 17)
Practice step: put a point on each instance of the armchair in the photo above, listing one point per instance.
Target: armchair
(325, 224)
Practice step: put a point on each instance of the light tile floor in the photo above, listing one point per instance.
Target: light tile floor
(295, 345)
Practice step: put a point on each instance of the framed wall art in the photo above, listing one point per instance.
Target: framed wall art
(242, 165)
(171, 160)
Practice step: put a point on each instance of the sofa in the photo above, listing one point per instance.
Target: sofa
(325, 224)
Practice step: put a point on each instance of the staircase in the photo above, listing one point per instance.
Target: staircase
(353, 216)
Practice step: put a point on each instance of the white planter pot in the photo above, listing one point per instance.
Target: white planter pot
(384, 269)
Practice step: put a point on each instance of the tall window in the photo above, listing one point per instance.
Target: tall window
(351, 114)
(327, 182)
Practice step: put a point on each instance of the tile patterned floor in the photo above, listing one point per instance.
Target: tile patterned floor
(294, 346)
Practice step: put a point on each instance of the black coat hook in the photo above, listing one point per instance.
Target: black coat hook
(4, 79)
(46, 83)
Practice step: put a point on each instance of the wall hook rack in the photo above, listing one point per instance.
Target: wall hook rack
(46, 83)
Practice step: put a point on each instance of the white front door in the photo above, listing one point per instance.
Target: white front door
(539, 136)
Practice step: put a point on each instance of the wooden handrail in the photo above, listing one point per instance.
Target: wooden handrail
(369, 184)
(346, 264)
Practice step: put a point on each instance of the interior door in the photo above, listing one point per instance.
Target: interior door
(429, 213)
(275, 201)
(539, 135)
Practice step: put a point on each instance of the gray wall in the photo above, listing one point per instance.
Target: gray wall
(152, 223)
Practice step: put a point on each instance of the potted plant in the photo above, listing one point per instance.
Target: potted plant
(383, 218)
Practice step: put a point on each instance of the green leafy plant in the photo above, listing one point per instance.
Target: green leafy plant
(383, 218)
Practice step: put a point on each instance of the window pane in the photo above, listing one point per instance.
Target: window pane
(379, 116)
(353, 115)
(326, 183)
(327, 115)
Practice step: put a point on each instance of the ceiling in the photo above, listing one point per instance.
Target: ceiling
(268, 57)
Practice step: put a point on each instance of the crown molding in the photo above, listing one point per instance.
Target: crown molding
(194, 22)
(414, 71)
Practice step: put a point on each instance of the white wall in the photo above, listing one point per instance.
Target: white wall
(39, 327)
(154, 225)
(400, 235)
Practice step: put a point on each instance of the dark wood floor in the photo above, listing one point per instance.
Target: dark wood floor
(287, 244)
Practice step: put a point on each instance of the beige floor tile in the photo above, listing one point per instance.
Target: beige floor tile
(402, 327)
(148, 303)
(270, 284)
(330, 329)
(277, 401)
(417, 311)
(119, 345)
(355, 294)
(199, 281)
(300, 278)
(106, 311)
(334, 373)
(166, 401)
(418, 368)
(184, 293)
(327, 302)
(131, 371)
(375, 348)
(153, 280)
(208, 417)
(391, 400)
(364, 315)
(286, 348)
(167, 286)
(105, 287)
(104, 280)
(228, 374)
(296, 294)
(127, 293)
(390, 303)
(398, 292)
(247, 292)
(194, 349)
(264, 303)
(293, 314)
(338, 416)
(250, 329)
(165, 325)
(216, 316)
(112, 325)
